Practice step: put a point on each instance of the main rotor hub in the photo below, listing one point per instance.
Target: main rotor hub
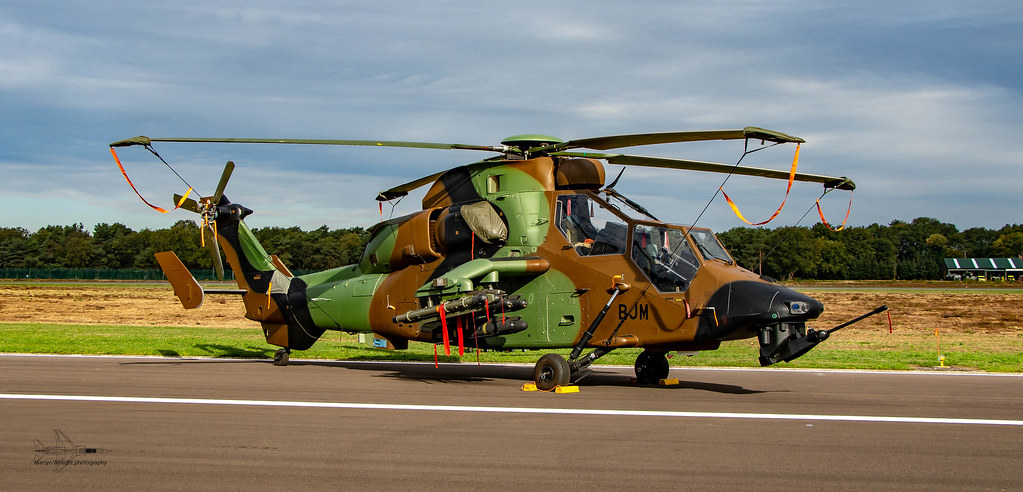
(529, 141)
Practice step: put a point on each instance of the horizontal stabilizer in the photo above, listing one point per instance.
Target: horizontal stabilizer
(185, 286)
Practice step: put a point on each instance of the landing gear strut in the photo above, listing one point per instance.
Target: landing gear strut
(651, 367)
(281, 356)
(553, 370)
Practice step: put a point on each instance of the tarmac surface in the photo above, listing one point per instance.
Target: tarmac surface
(157, 423)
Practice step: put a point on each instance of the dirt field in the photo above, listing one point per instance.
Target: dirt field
(956, 312)
(135, 305)
(913, 308)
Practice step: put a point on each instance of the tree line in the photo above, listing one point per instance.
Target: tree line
(115, 246)
(900, 250)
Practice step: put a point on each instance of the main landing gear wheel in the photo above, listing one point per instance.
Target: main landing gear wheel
(281, 356)
(651, 367)
(551, 370)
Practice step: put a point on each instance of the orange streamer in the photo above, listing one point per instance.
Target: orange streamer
(119, 166)
(158, 209)
(183, 198)
(444, 329)
(792, 177)
(461, 336)
(823, 220)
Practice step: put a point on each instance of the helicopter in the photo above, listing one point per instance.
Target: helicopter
(524, 250)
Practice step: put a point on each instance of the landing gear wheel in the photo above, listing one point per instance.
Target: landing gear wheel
(651, 367)
(281, 357)
(551, 370)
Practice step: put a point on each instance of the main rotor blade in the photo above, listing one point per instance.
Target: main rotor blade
(228, 169)
(619, 141)
(301, 141)
(404, 189)
(841, 183)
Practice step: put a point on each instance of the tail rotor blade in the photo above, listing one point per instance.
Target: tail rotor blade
(228, 169)
(188, 204)
(214, 246)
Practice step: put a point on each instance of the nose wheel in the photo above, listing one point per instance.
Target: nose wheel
(651, 367)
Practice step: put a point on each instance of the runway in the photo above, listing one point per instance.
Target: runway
(176, 423)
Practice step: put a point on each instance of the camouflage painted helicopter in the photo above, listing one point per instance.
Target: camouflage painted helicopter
(524, 250)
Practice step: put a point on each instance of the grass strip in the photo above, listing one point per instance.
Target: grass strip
(845, 350)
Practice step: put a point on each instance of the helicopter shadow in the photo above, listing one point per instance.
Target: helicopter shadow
(605, 379)
(429, 373)
(232, 351)
(472, 373)
(463, 373)
(219, 354)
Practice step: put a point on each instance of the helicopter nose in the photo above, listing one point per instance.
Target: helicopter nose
(749, 305)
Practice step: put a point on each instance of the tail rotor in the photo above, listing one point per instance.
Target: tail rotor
(209, 208)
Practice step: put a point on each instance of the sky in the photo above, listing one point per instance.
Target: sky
(917, 102)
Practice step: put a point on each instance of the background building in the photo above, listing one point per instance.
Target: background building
(1009, 269)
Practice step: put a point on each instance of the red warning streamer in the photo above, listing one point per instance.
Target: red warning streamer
(486, 308)
(792, 177)
(158, 209)
(461, 336)
(444, 329)
(119, 166)
(825, 222)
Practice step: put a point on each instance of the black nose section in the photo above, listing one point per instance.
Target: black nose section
(747, 306)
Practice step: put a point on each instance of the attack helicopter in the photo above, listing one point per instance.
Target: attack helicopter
(526, 249)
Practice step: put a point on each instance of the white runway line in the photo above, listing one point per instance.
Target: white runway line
(519, 410)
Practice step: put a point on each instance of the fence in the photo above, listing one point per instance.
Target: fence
(101, 274)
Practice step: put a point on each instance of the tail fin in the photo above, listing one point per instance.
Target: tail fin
(185, 286)
(273, 295)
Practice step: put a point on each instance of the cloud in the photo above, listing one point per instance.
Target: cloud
(914, 100)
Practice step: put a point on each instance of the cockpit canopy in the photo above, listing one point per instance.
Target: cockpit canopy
(668, 255)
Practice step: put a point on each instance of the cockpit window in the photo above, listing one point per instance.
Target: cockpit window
(589, 227)
(709, 246)
(664, 256)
